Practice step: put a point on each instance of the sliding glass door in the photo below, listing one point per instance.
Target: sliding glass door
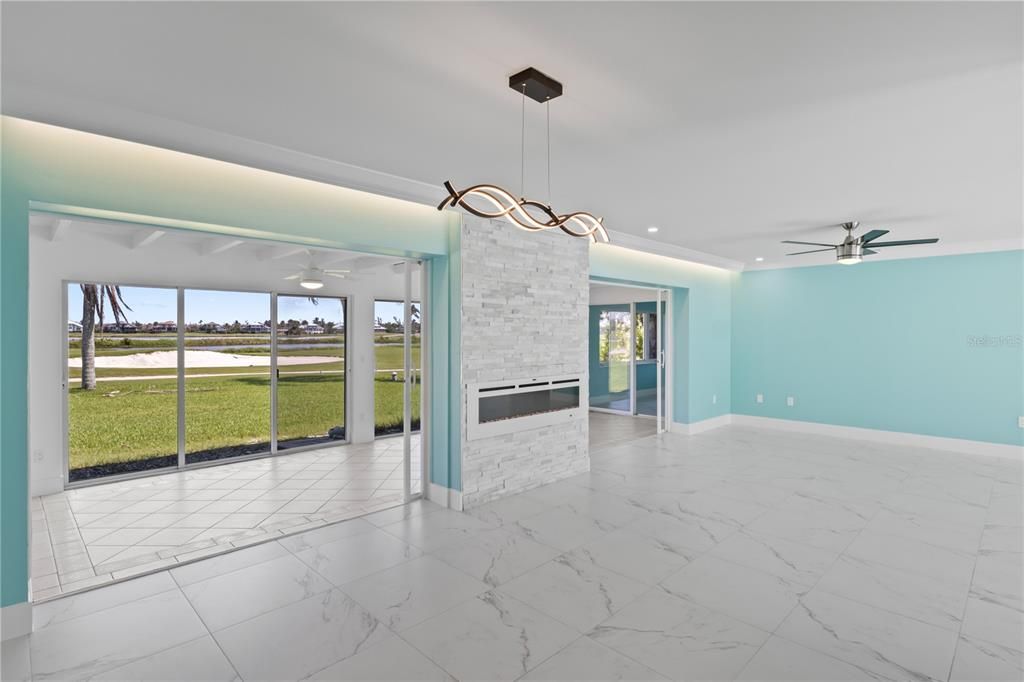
(226, 402)
(121, 379)
(612, 378)
(389, 365)
(310, 370)
(647, 382)
(181, 377)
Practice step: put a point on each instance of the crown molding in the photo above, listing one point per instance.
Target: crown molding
(636, 243)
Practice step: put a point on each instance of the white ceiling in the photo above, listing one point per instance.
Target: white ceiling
(730, 126)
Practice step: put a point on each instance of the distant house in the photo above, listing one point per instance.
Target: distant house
(122, 327)
(313, 329)
(164, 327)
(74, 327)
(255, 329)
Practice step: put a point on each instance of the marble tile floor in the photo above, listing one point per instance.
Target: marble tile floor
(612, 429)
(86, 537)
(734, 554)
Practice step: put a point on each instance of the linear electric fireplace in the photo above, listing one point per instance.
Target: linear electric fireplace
(501, 407)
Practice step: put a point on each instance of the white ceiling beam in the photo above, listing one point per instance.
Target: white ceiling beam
(58, 229)
(334, 261)
(288, 253)
(143, 238)
(209, 249)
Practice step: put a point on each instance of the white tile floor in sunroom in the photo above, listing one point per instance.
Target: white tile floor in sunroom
(88, 536)
(734, 554)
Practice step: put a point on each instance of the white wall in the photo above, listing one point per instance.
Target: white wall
(80, 254)
(604, 294)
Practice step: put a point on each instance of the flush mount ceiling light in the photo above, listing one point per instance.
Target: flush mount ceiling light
(313, 278)
(492, 201)
(311, 283)
(652, 228)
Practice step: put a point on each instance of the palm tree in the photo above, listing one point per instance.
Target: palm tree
(95, 298)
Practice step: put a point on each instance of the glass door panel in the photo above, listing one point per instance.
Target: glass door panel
(227, 374)
(122, 397)
(389, 366)
(614, 373)
(310, 370)
(647, 366)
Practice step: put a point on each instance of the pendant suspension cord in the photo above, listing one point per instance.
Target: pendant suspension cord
(522, 148)
(547, 107)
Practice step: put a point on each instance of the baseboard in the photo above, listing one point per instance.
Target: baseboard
(701, 426)
(446, 497)
(969, 447)
(47, 486)
(15, 620)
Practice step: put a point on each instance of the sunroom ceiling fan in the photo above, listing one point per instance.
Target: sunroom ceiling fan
(313, 277)
(852, 249)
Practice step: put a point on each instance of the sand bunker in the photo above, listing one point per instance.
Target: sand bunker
(199, 358)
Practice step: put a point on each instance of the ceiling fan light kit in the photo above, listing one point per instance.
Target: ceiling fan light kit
(527, 214)
(853, 249)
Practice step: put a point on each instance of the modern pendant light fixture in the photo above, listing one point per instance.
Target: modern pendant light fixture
(528, 214)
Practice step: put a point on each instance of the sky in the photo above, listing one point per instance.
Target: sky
(150, 304)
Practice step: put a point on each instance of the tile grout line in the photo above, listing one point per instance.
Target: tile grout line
(970, 588)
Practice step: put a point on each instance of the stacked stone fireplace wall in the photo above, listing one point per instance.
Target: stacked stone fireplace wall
(525, 298)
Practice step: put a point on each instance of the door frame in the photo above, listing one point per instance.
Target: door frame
(666, 342)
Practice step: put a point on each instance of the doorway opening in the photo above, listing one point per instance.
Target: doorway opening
(208, 393)
(630, 351)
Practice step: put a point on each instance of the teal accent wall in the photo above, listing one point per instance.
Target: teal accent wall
(65, 170)
(927, 345)
(701, 309)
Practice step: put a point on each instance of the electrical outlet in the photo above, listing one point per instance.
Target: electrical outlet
(714, 400)
(790, 401)
(760, 397)
(1020, 422)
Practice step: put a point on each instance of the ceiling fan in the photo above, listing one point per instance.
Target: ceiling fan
(313, 277)
(852, 249)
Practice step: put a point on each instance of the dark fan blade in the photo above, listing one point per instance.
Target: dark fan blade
(873, 234)
(788, 241)
(907, 242)
(868, 252)
(800, 253)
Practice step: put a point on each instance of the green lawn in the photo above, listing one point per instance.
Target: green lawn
(124, 421)
(618, 377)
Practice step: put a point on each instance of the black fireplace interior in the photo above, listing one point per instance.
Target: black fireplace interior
(545, 397)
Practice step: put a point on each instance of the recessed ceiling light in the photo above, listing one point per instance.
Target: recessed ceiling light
(652, 228)
(759, 259)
